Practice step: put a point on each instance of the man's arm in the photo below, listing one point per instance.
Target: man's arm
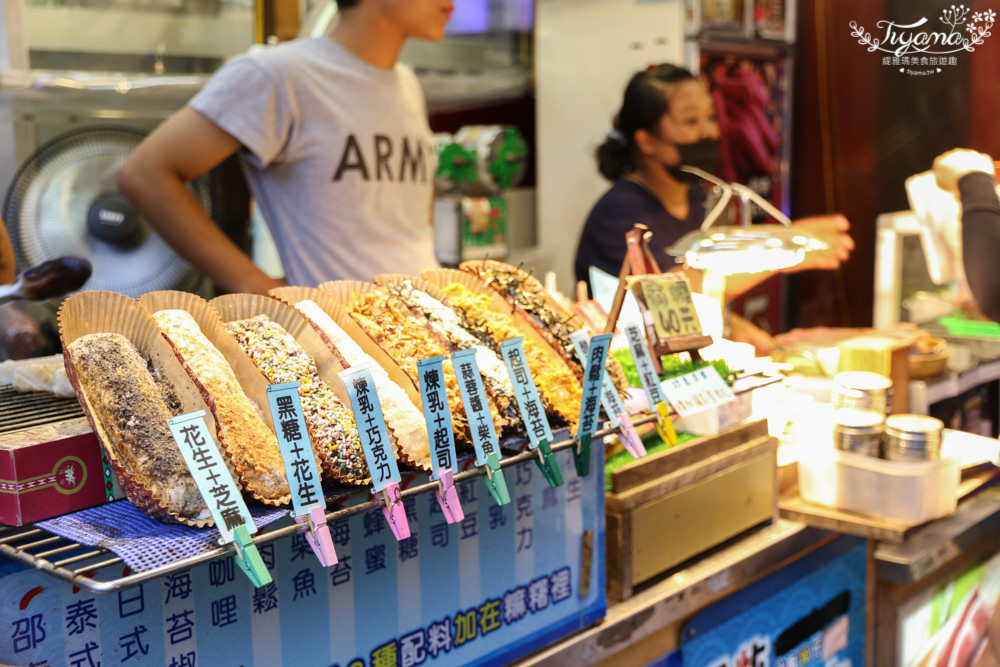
(184, 147)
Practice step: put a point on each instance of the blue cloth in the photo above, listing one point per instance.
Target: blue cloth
(141, 541)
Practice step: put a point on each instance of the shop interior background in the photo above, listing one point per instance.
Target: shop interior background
(854, 129)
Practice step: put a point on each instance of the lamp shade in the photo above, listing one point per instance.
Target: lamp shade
(730, 249)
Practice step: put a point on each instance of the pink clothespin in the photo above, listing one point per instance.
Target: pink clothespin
(318, 536)
(447, 497)
(394, 512)
(630, 437)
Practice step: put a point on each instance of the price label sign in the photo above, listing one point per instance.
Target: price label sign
(470, 383)
(437, 415)
(593, 375)
(371, 427)
(210, 473)
(669, 303)
(296, 447)
(610, 400)
(696, 391)
(525, 391)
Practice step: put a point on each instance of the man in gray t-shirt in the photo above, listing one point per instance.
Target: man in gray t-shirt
(333, 136)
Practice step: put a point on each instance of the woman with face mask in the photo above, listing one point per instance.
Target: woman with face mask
(668, 119)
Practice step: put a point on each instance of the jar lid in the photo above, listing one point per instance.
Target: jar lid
(857, 418)
(916, 424)
(862, 381)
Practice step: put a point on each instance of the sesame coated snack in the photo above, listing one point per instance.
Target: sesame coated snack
(129, 406)
(331, 427)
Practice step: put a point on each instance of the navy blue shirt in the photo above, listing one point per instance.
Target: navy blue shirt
(602, 243)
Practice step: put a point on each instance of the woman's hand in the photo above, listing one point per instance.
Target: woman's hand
(832, 230)
(950, 167)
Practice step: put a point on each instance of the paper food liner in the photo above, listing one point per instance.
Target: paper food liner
(247, 375)
(231, 307)
(346, 292)
(339, 314)
(573, 320)
(108, 312)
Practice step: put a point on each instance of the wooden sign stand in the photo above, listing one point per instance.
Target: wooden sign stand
(639, 261)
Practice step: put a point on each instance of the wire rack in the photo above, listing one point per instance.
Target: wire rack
(98, 569)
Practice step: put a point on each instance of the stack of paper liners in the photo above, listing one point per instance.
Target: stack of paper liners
(285, 348)
(485, 311)
(426, 299)
(227, 379)
(553, 322)
(406, 338)
(400, 400)
(129, 382)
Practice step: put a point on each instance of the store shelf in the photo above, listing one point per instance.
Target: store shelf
(684, 593)
(934, 546)
(101, 571)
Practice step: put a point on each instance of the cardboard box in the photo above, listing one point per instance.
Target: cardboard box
(50, 470)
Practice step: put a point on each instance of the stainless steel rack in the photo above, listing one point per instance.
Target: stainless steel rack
(94, 568)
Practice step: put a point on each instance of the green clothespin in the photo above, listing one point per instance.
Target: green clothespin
(547, 463)
(248, 558)
(495, 481)
(581, 455)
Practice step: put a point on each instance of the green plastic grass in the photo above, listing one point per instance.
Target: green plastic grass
(653, 445)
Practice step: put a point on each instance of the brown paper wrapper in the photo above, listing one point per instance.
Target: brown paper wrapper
(107, 312)
(231, 307)
(339, 314)
(247, 375)
(346, 292)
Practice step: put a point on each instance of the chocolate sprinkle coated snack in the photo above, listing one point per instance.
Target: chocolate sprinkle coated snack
(334, 435)
(129, 405)
(249, 445)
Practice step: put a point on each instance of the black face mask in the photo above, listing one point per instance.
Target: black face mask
(702, 154)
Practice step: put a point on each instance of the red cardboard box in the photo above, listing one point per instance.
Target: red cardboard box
(50, 470)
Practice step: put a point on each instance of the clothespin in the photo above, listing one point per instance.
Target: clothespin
(248, 558)
(581, 455)
(630, 437)
(447, 497)
(547, 463)
(665, 425)
(318, 535)
(394, 512)
(495, 481)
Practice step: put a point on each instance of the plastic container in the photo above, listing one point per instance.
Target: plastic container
(904, 492)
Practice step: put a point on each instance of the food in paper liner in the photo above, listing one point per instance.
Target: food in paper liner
(554, 322)
(403, 419)
(331, 426)
(249, 445)
(558, 386)
(407, 338)
(444, 321)
(96, 312)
